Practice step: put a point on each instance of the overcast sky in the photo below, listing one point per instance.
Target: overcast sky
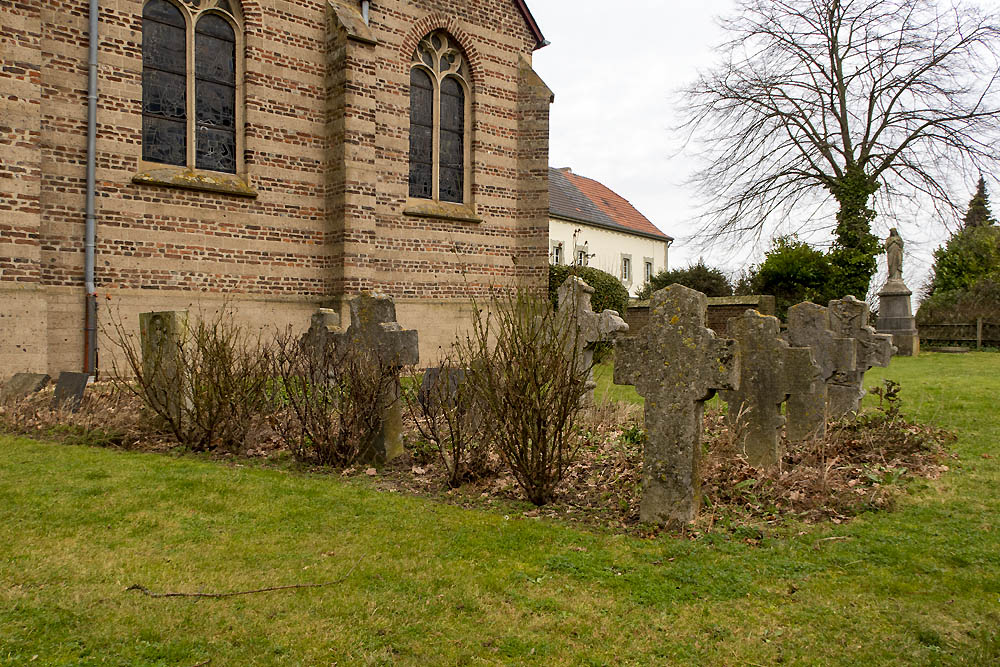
(615, 69)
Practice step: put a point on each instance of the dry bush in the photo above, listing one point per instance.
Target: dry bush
(856, 468)
(327, 404)
(207, 387)
(449, 415)
(106, 417)
(519, 358)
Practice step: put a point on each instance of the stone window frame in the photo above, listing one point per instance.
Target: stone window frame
(586, 255)
(190, 176)
(461, 71)
(626, 270)
(557, 252)
(649, 268)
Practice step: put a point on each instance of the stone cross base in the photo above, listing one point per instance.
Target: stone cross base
(895, 317)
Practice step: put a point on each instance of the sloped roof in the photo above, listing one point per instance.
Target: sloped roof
(581, 199)
(540, 40)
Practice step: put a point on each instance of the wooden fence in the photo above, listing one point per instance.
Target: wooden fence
(979, 333)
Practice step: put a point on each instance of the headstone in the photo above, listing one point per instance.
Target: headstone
(162, 337)
(676, 364)
(849, 319)
(431, 387)
(809, 326)
(374, 327)
(23, 384)
(69, 391)
(770, 370)
(591, 327)
(895, 312)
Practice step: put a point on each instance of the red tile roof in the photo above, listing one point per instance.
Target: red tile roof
(583, 199)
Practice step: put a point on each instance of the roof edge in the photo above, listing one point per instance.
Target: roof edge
(540, 40)
(615, 228)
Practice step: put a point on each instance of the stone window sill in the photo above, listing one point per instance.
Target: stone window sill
(421, 208)
(195, 179)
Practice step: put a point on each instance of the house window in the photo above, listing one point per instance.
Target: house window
(626, 269)
(557, 253)
(581, 257)
(439, 121)
(190, 69)
(649, 271)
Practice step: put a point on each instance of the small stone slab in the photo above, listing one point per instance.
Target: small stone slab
(849, 319)
(430, 384)
(162, 336)
(676, 363)
(949, 350)
(23, 384)
(770, 370)
(70, 389)
(809, 326)
(591, 327)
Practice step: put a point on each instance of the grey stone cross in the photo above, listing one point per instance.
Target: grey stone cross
(809, 326)
(676, 364)
(591, 327)
(849, 318)
(374, 326)
(770, 370)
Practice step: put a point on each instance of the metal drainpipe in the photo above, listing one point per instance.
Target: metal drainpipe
(365, 4)
(90, 321)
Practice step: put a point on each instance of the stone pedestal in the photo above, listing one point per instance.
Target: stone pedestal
(895, 316)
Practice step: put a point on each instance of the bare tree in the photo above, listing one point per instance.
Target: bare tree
(821, 99)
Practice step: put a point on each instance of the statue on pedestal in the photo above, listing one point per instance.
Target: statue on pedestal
(895, 315)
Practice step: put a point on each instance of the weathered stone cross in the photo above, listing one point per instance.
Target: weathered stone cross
(591, 327)
(374, 326)
(770, 370)
(676, 364)
(809, 326)
(849, 318)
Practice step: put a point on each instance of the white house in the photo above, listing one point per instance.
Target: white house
(589, 224)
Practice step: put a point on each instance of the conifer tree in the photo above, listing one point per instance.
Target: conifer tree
(979, 214)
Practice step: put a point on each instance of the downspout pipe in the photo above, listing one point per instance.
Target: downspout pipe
(90, 232)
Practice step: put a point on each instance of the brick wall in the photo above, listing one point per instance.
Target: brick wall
(326, 150)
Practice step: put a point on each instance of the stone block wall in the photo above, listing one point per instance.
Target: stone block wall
(326, 151)
(720, 310)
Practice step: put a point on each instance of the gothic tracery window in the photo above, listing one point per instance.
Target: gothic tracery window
(190, 67)
(439, 104)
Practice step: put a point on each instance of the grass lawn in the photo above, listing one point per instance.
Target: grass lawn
(421, 582)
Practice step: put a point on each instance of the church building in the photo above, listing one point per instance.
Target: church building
(274, 156)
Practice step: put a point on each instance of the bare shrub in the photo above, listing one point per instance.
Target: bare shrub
(449, 414)
(207, 387)
(327, 404)
(520, 359)
(107, 417)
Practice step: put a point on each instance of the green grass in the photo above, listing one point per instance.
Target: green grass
(435, 584)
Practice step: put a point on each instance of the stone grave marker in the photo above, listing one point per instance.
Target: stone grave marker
(429, 383)
(770, 370)
(70, 388)
(374, 326)
(676, 364)
(809, 326)
(162, 336)
(22, 384)
(591, 327)
(849, 318)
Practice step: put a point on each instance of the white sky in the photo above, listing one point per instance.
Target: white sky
(615, 69)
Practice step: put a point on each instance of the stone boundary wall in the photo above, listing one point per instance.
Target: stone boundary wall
(720, 310)
(978, 334)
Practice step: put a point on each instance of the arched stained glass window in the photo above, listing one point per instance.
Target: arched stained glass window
(439, 160)
(164, 84)
(215, 93)
(190, 70)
